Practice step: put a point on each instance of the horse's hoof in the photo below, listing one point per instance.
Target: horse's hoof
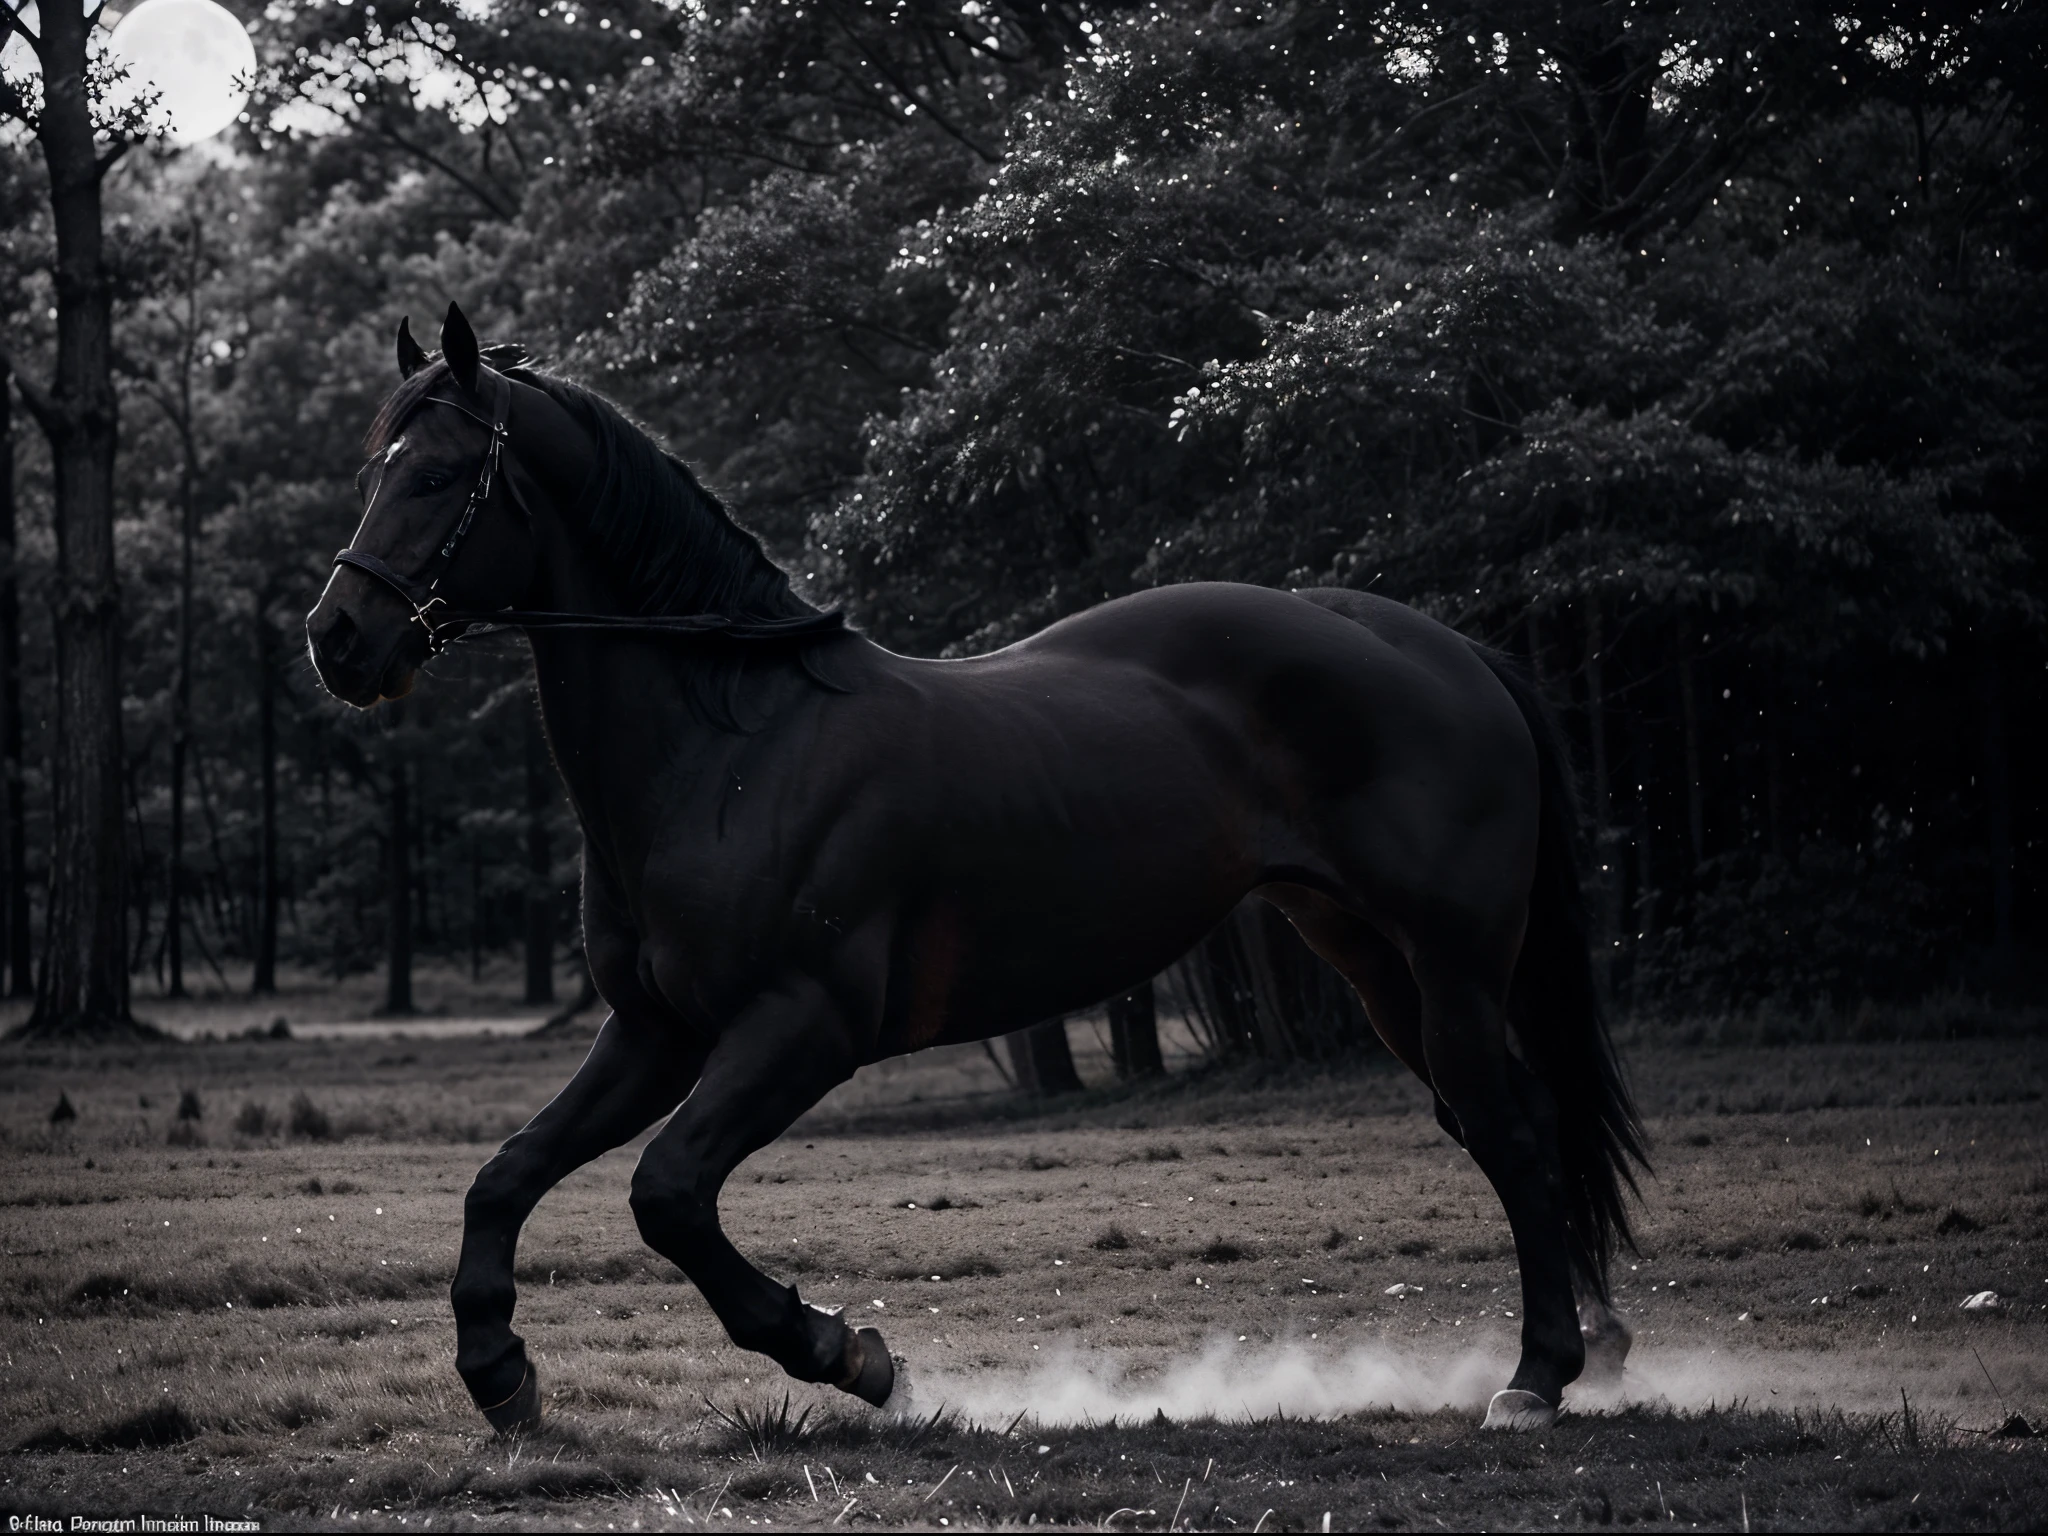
(1607, 1336)
(519, 1411)
(874, 1378)
(1519, 1411)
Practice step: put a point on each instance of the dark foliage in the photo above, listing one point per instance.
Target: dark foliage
(1693, 352)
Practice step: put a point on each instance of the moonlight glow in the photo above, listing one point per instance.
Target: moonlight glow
(196, 55)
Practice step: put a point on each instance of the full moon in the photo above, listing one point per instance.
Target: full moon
(196, 55)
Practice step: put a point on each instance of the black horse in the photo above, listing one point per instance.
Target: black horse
(803, 853)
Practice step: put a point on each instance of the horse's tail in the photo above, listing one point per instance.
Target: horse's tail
(1554, 1005)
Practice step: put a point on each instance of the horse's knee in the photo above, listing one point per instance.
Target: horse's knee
(665, 1206)
(505, 1189)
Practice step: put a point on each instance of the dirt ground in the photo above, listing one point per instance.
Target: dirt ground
(1133, 1309)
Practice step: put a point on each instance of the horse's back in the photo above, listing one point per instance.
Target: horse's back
(1357, 680)
(1198, 631)
(1361, 745)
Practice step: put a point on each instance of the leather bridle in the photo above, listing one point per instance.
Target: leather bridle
(445, 625)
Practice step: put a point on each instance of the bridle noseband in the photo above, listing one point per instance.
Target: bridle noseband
(422, 589)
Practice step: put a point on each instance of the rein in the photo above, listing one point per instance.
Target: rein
(448, 625)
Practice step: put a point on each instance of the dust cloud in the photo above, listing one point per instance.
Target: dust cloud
(1231, 1380)
(1225, 1380)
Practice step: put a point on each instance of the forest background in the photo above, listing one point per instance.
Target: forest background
(1693, 351)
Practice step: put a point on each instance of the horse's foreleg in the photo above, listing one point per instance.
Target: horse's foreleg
(771, 1064)
(631, 1078)
(1510, 1128)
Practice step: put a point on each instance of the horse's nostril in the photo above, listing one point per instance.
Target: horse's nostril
(341, 639)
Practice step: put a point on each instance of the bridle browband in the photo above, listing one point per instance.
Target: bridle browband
(422, 589)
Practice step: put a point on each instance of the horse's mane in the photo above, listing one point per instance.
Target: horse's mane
(669, 544)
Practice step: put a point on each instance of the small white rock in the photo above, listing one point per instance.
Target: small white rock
(1984, 1301)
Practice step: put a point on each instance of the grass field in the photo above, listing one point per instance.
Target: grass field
(1129, 1309)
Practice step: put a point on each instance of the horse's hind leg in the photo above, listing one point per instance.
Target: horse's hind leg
(1608, 1338)
(1378, 973)
(1445, 1018)
(631, 1078)
(772, 1063)
(1509, 1125)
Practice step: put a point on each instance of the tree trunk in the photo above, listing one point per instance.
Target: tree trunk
(420, 865)
(1774, 782)
(398, 893)
(1134, 1034)
(15, 956)
(84, 985)
(220, 891)
(476, 908)
(1646, 864)
(141, 883)
(1042, 1059)
(586, 997)
(1607, 841)
(178, 407)
(540, 896)
(1997, 811)
(264, 980)
(1695, 797)
(181, 732)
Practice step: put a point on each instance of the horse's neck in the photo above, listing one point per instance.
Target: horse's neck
(624, 713)
(624, 721)
(616, 707)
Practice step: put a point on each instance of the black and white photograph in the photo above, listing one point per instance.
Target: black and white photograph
(1132, 765)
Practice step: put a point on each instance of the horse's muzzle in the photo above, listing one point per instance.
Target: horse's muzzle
(354, 666)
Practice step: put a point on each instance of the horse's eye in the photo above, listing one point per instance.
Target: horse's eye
(431, 481)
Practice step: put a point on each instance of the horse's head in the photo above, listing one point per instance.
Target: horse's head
(444, 526)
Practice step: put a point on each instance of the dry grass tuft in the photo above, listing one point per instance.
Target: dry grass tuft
(763, 1430)
(160, 1424)
(308, 1121)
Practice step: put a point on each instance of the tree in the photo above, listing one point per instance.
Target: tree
(1604, 334)
(398, 859)
(541, 794)
(17, 972)
(1042, 1060)
(1134, 1033)
(263, 974)
(173, 395)
(84, 982)
(1693, 352)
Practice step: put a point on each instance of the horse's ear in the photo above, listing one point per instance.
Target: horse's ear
(411, 358)
(459, 346)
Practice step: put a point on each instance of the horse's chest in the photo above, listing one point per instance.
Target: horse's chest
(705, 955)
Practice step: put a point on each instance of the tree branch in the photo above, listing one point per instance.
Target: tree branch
(888, 72)
(419, 151)
(10, 20)
(39, 404)
(833, 319)
(1435, 106)
(1154, 357)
